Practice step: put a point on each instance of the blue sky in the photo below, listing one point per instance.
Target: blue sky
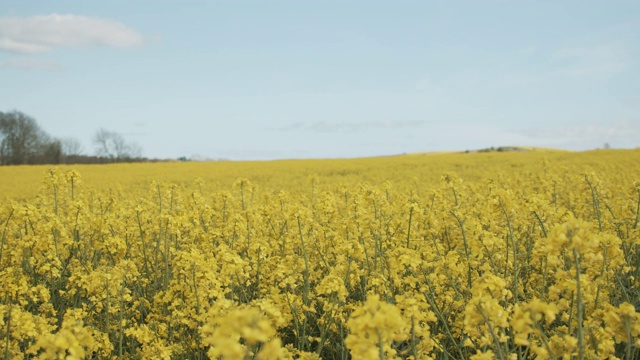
(313, 79)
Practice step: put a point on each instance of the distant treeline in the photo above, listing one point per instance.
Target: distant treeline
(23, 142)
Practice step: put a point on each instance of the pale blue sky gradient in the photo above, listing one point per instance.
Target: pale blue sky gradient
(312, 79)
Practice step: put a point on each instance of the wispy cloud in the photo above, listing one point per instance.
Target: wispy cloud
(250, 154)
(28, 65)
(623, 133)
(592, 61)
(44, 33)
(348, 127)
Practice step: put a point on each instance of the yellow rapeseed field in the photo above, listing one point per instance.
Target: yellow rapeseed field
(531, 255)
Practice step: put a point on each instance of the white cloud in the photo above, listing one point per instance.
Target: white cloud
(44, 33)
(342, 127)
(28, 64)
(622, 133)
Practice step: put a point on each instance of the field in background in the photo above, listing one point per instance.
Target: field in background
(412, 171)
(501, 255)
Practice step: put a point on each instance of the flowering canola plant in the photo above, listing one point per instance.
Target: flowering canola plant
(454, 256)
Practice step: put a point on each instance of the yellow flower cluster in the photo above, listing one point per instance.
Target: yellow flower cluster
(373, 327)
(455, 256)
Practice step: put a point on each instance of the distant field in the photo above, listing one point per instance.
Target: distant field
(488, 255)
(413, 170)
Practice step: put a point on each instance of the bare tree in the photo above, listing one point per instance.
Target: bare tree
(112, 145)
(22, 141)
(71, 146)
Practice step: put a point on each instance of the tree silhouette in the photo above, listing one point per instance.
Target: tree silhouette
(112, 145)
(21, 139)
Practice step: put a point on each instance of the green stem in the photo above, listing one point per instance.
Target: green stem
(635, 225)
(595, 202)
(627, 327)
(544, 231)
(409, 229)
(4, 234)
(306, 265)
(380, 345)
(579, 306)
(515, 252)
(493, 334)
(6, 347)
(195, 287)
(466, 248)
